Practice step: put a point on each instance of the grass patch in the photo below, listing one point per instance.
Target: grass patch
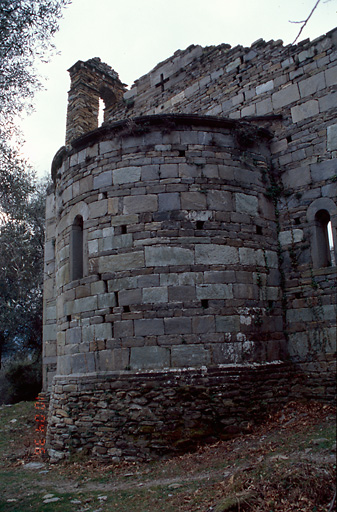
(286, 464)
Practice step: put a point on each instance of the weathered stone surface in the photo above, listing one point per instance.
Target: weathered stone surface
(214, 291)
(118, 262)
(149, 357)
(190, 355)
(169, 201)
(332, 137)
(138, 204)
(183, 228)
(285, 96)
(149, 327)
(180, 325)
(212, 254)
(246, 204)
(290, 237)
(126, 175)
(164, 256)
(155, 295)
(304, 111)
(104, 179)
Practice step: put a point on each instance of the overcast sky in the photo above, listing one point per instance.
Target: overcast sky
(133, 36)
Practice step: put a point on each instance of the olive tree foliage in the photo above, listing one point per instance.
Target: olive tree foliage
(26, 31)
(21, 276)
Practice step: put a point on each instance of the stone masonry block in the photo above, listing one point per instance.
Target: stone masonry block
(106, 146)
(332, 137)
(126, 175)
(98, 208)
(50, 349)
(193, 201)
(203, 324)
(149, 327)
(296, 177)
(106, 300)
(85, 304)
(168, 171)
(227, 323)
(248, 256)
(88, 333)
(219, 200)
(169, 201)
(123, 328)
(143, 358)
(267, 86)
(264, 107)
(83, 363)
(127, 261)
(127, 297)
(140, 203)
(304, 111)
(181, 293)
(104, 179)
(121, 220)
(312, 84)
(103, 331)
(285, 96)
(178, 325)
(85, 184)
(214, 291)
(74, 335)
(323, 170)
(165, 256)
(289, 237)
(155, 295)
(190, 356)
(213, 254)
(245, 203)
(331, 76)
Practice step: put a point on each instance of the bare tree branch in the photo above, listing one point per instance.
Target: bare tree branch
(304, 22)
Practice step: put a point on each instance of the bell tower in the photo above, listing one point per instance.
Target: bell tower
(90, 81)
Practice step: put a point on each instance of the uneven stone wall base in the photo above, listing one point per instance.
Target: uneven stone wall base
(147, 415)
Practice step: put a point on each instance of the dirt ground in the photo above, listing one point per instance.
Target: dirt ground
(286, 464)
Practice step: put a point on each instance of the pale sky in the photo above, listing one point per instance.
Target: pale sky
(134, 36)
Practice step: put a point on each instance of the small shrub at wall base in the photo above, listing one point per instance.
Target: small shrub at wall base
(25, 379)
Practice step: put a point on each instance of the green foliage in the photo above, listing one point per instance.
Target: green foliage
(26, 29)
(25, 379)
(21, 274)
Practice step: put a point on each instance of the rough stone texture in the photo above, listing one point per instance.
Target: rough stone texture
(204, 243)
(138, 415)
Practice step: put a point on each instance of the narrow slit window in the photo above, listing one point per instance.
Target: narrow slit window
(76, 249)
(324, 241)
(331, 244)
(101, 107)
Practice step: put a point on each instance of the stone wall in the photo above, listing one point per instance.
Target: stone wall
(181, 265)
(203, 244)
(151, 414)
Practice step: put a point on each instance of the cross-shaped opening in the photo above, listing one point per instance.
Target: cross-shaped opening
(162, 82)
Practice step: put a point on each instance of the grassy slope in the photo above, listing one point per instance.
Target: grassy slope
(287, 464)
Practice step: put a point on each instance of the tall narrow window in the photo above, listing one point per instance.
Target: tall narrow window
(331, 244)
(324, 249)
(76, 249)
(101, 112)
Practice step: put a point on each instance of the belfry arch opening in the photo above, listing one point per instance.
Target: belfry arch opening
(76, 249)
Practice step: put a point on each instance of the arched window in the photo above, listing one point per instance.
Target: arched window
(322, 219)
(76, 249)
(321, 215)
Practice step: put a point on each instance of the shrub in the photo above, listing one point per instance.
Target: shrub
(25, 379)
